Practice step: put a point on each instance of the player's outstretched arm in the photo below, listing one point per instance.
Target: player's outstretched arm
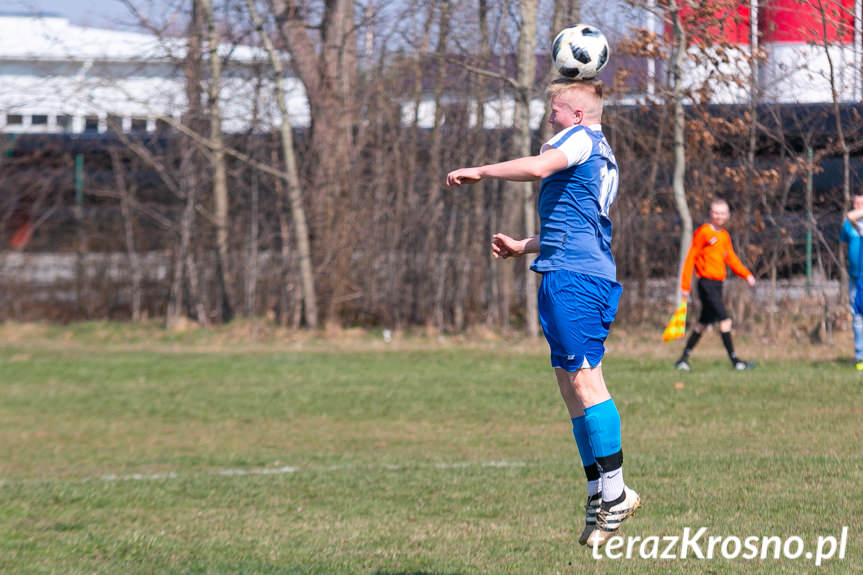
(464, 176)
(854, 216)
(526, 169)
(503, 246)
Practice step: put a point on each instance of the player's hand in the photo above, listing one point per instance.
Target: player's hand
(750, 280)
(503, 246)
(463, 176)
(684, 293)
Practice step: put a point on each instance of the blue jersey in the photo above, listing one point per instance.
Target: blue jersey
(575, 230)
(850, 236)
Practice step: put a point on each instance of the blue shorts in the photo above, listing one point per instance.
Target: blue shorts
(576, 311)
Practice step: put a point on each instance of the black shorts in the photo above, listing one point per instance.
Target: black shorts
(710, 295)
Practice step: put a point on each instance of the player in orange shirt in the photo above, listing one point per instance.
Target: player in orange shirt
(710, 251)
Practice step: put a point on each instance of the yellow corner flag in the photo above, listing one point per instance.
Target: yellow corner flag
(676, 327)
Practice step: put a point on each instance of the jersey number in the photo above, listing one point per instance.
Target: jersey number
(607, 187)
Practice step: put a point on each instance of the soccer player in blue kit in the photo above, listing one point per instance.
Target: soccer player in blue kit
(579, 292)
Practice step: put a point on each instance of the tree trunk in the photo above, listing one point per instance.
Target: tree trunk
(128, 229)
(329, 77)
(187, 188)
(183, 260)
(846, 155)
(292, 179)
(414, 261)
(217, 164)
(197, 291)
(679, 139)
(481, 257)
(436, 200)
(754, 97)
(526, 77)
(566, 13)
(507, 220)
(252, 251)
(285, 247)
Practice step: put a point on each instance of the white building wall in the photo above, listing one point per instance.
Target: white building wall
(51, 68)
(724, 72)
(59, 74)
(500, 113)
(800, 73)
(790, 74)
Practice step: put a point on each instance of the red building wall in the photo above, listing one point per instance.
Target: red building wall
(787, 21)
(801, 21)
(716, 21)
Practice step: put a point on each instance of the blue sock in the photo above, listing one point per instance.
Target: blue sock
(579, 430)
(603, 428)
(591, 469)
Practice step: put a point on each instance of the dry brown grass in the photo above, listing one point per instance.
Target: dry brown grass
(249, 336)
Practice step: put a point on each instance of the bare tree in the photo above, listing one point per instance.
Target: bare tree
(187, 187)
(752, 144)
(323, 56)
(217, 161)
(840, 132)
(522, 144)
(292, 179)
(435, 201)
(407, 201)
(678, 135)
(126, 200)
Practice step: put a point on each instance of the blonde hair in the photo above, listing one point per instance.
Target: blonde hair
(586, 93)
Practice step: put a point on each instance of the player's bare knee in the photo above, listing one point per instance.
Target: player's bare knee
(588, 385)
(725, 325)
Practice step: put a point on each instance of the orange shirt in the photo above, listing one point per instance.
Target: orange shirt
(710, 251)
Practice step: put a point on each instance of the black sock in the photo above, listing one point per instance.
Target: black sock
(691, 343)
(610, 504)
(729, 346)
(592, 471)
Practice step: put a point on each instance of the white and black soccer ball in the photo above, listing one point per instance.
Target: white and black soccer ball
(579, 52)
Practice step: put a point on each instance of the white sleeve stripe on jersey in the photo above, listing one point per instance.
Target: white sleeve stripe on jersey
(559, 138)
(564, 136)
(576, 145)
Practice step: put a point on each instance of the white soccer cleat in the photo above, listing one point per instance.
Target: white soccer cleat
(608, 521)
(682, 365)
(591, 508)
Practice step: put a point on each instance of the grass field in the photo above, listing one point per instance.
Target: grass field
(127, 449)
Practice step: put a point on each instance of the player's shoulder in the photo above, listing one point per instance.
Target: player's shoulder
(574, 142)
(569, 136)
(704, 229)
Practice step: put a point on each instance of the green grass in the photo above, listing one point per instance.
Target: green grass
(415, 458)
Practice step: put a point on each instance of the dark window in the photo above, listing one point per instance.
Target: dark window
(162, 126)
(14, 119)
(64, 122)
(91, 124)
(39, 120)
(139, 124)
